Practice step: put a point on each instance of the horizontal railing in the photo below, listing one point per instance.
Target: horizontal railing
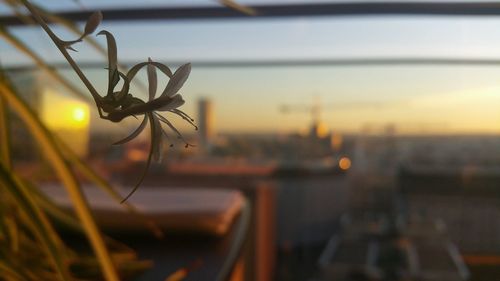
(418, 8)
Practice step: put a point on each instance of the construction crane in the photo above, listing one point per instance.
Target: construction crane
(317, 128)
(315, 109)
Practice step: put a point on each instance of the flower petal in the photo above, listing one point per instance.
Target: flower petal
(177, 80)
(152, 80)
(175, 101)
(156, 140)
(163, 68)
(92, 23)
(151, 118)
(113, 76)
(125, 88)
(134, 69)
(134, 133)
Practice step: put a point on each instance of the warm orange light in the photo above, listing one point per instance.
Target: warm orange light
(136, 154)
(336, 141)
(321, 130)
(344, 163)
(482, 259)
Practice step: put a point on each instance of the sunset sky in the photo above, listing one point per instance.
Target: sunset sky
(417, 99)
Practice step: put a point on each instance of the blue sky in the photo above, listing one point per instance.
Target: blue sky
(247, 99)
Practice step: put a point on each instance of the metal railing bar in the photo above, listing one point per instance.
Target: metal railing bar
(417, 8)
(292, 63)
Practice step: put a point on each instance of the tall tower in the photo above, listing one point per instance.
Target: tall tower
(205, 122)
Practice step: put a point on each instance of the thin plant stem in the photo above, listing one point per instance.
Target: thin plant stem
(4, 134)
(4, 129)
(74, 28)
(64, 52)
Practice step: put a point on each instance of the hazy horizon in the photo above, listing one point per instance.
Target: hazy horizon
(451, 99)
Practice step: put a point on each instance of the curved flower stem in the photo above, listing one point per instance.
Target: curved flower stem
(54, 155)
(64, 52)
(153, 128)
(75, 30)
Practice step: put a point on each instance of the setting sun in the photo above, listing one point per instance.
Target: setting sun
(63, 112)
(79, 114)
(67, 117)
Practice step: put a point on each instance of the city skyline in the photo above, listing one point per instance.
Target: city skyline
(447, 99)
(453, 111)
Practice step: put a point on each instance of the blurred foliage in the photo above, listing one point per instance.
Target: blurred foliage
(31, 242)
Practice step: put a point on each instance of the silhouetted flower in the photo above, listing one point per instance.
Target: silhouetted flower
(121, 104)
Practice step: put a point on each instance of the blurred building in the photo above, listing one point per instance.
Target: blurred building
(206, 123)
(466, 200)
(376, 248)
